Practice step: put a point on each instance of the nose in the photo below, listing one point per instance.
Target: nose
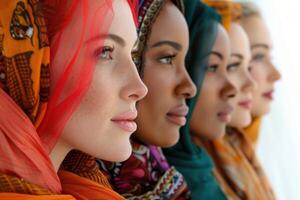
(274, 74)
(249, 84)
(135, 89)
(185, 86)
(228, 90)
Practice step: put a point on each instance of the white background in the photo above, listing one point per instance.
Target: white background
(279, 144)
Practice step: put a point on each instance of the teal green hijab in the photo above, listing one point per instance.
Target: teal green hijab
(192, 161)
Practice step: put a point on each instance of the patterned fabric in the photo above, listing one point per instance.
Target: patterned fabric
(148, 11)
(238, 169)
(84, 189)
(85, 166)
(145, 175)
(24, 57)
(17, 185)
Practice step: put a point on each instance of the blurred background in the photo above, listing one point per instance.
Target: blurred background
(279, 143)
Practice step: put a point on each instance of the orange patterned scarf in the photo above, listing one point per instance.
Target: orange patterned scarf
(24, 57)
(237, 167)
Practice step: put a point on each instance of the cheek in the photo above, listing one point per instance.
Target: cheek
(101, 96)
(160, 90)
(237, 80)
(259, 74)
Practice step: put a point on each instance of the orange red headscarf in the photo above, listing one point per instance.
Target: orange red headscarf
(26, 93)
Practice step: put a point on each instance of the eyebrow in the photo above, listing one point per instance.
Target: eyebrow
(113, 37)
(217, 54)
(265, 46)
(240, 56)
(175, 45)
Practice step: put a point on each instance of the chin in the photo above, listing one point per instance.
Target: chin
(262, 110)
(171, 137)
(118, 154)
(169, 143)
(218, 133)
(241, 121)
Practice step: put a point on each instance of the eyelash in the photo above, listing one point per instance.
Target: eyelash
(233, 67)
(212, 68)
(102, 53)
(258, 57)
(169, 62)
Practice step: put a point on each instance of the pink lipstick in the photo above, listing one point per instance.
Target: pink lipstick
(177, 115)
(126, 121)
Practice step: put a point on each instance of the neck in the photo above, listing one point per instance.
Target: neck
(59, 153)
(197, 140)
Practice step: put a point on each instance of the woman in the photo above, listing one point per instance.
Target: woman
(262, 68)
(211, 109)
(237, 168)
(92, 74)
(161, 51)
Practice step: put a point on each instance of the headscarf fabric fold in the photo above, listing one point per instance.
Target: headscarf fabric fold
(237, 168)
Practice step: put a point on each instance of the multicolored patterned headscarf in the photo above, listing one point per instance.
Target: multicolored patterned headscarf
(25, 84)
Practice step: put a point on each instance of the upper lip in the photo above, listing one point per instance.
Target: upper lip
(181, 111)
(269, 92)
(126, 116)
(247, 102)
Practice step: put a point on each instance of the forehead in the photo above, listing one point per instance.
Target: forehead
(122, 23)
(239, 41)
(257, 30)
(169, 24)
(222, 44)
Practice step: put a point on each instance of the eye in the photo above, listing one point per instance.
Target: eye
(105, 53)
(258, 57)
(233, 67)
(167, 59)
(212, 68)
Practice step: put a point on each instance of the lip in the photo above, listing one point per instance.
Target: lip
(247, 104)
(268, 95)
(225, 115)
(177, 115)
(126, 121)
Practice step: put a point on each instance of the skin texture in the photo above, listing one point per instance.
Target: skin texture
(238, 70)
(262, 68)
(115, 89)
(168, 82)
(216, 91)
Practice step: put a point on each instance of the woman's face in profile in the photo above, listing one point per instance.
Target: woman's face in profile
(104, 120)
(213, 110)
(262, 69)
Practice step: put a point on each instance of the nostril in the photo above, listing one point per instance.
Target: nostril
(231, 95)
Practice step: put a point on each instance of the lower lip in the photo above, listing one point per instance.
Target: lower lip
(225, 118)
(246, 105)
(268, 96)
(128, 126)
(178, 120)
